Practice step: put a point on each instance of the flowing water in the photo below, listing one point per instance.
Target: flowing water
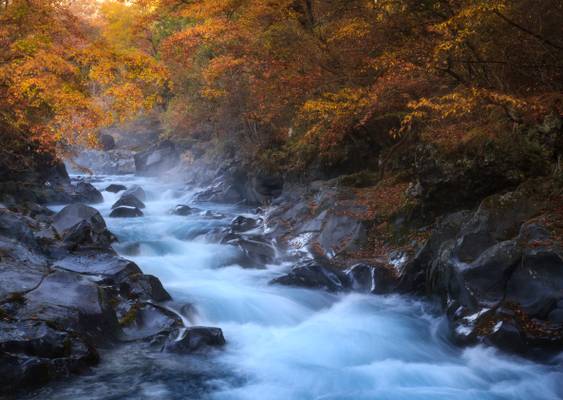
(286, 343)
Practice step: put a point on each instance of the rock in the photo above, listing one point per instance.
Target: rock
(115, 188)
(33, 352)
(86, 193)
(73, 301)
(128, 200)
(537, 281)
(183, 210)
(220, 192)
(107, 142)
(126, 212)
(257, 251)
(157, 159)
(372, 278)
(143, 287)
(499, 277)
(244, 224)
(81, 224)
(112, 162)
(506, 336)
(136, 191)
(212, 214)
(315, 276)
(149, 321)
(195, 339)
(98, 264)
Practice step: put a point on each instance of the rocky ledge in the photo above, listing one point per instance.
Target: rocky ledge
(64, 292)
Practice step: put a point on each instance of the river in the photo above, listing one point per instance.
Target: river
(285, 343)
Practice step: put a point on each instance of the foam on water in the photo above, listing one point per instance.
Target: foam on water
(289, 343)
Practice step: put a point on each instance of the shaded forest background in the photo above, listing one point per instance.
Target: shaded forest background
(315, 88)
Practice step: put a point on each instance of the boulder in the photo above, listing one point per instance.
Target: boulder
(128, 200)
(243, 224)
(81, 224)
(98, 264)
(194, 339)
(212, 214)
(367, 278)
(497, 271)
(148, 321)
(136, 191)
(157, 159)
(86, 193)
(33, 352)
(107, 142)
(74, 301)
(313, 275)
(183, 210)
(115, 188)
(126, 212)
(256, 251)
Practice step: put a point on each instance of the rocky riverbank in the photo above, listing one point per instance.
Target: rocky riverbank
(492, 257)
(64, 291)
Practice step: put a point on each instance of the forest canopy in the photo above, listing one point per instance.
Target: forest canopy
(293, 80)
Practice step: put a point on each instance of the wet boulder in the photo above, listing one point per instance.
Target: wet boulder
(105, 265)
(136, 191)
(128, 200)
(126, 212)
(33, 352)
(372, 278)
(194, 339)
(72, 300)
(314, 275)
(212, 214)
(148, 321)
(256, 251)
(81, 224)
(243, 224)
(157, 159)
(115, 188)
(183, 210)
(85, 192)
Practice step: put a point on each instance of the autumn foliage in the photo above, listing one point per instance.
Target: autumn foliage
(288, 81)
(60, 81)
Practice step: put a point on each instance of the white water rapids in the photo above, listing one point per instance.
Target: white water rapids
(286, 343)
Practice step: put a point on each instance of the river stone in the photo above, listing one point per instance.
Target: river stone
(149, 321)
(79, 224)
(73, 214)
(33, 352)
(126, 212)
(194, 339)
(95, 263)
(371, 278)
(244, 224)
(257, 251)
(183, 210)
(136, 191)
(115, 188)
(128, 200)
(315, 276)
(86, 192)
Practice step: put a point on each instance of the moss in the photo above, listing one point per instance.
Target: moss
(130, 316)
(360, 179)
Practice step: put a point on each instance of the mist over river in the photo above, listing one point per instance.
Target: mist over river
(283, 342)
